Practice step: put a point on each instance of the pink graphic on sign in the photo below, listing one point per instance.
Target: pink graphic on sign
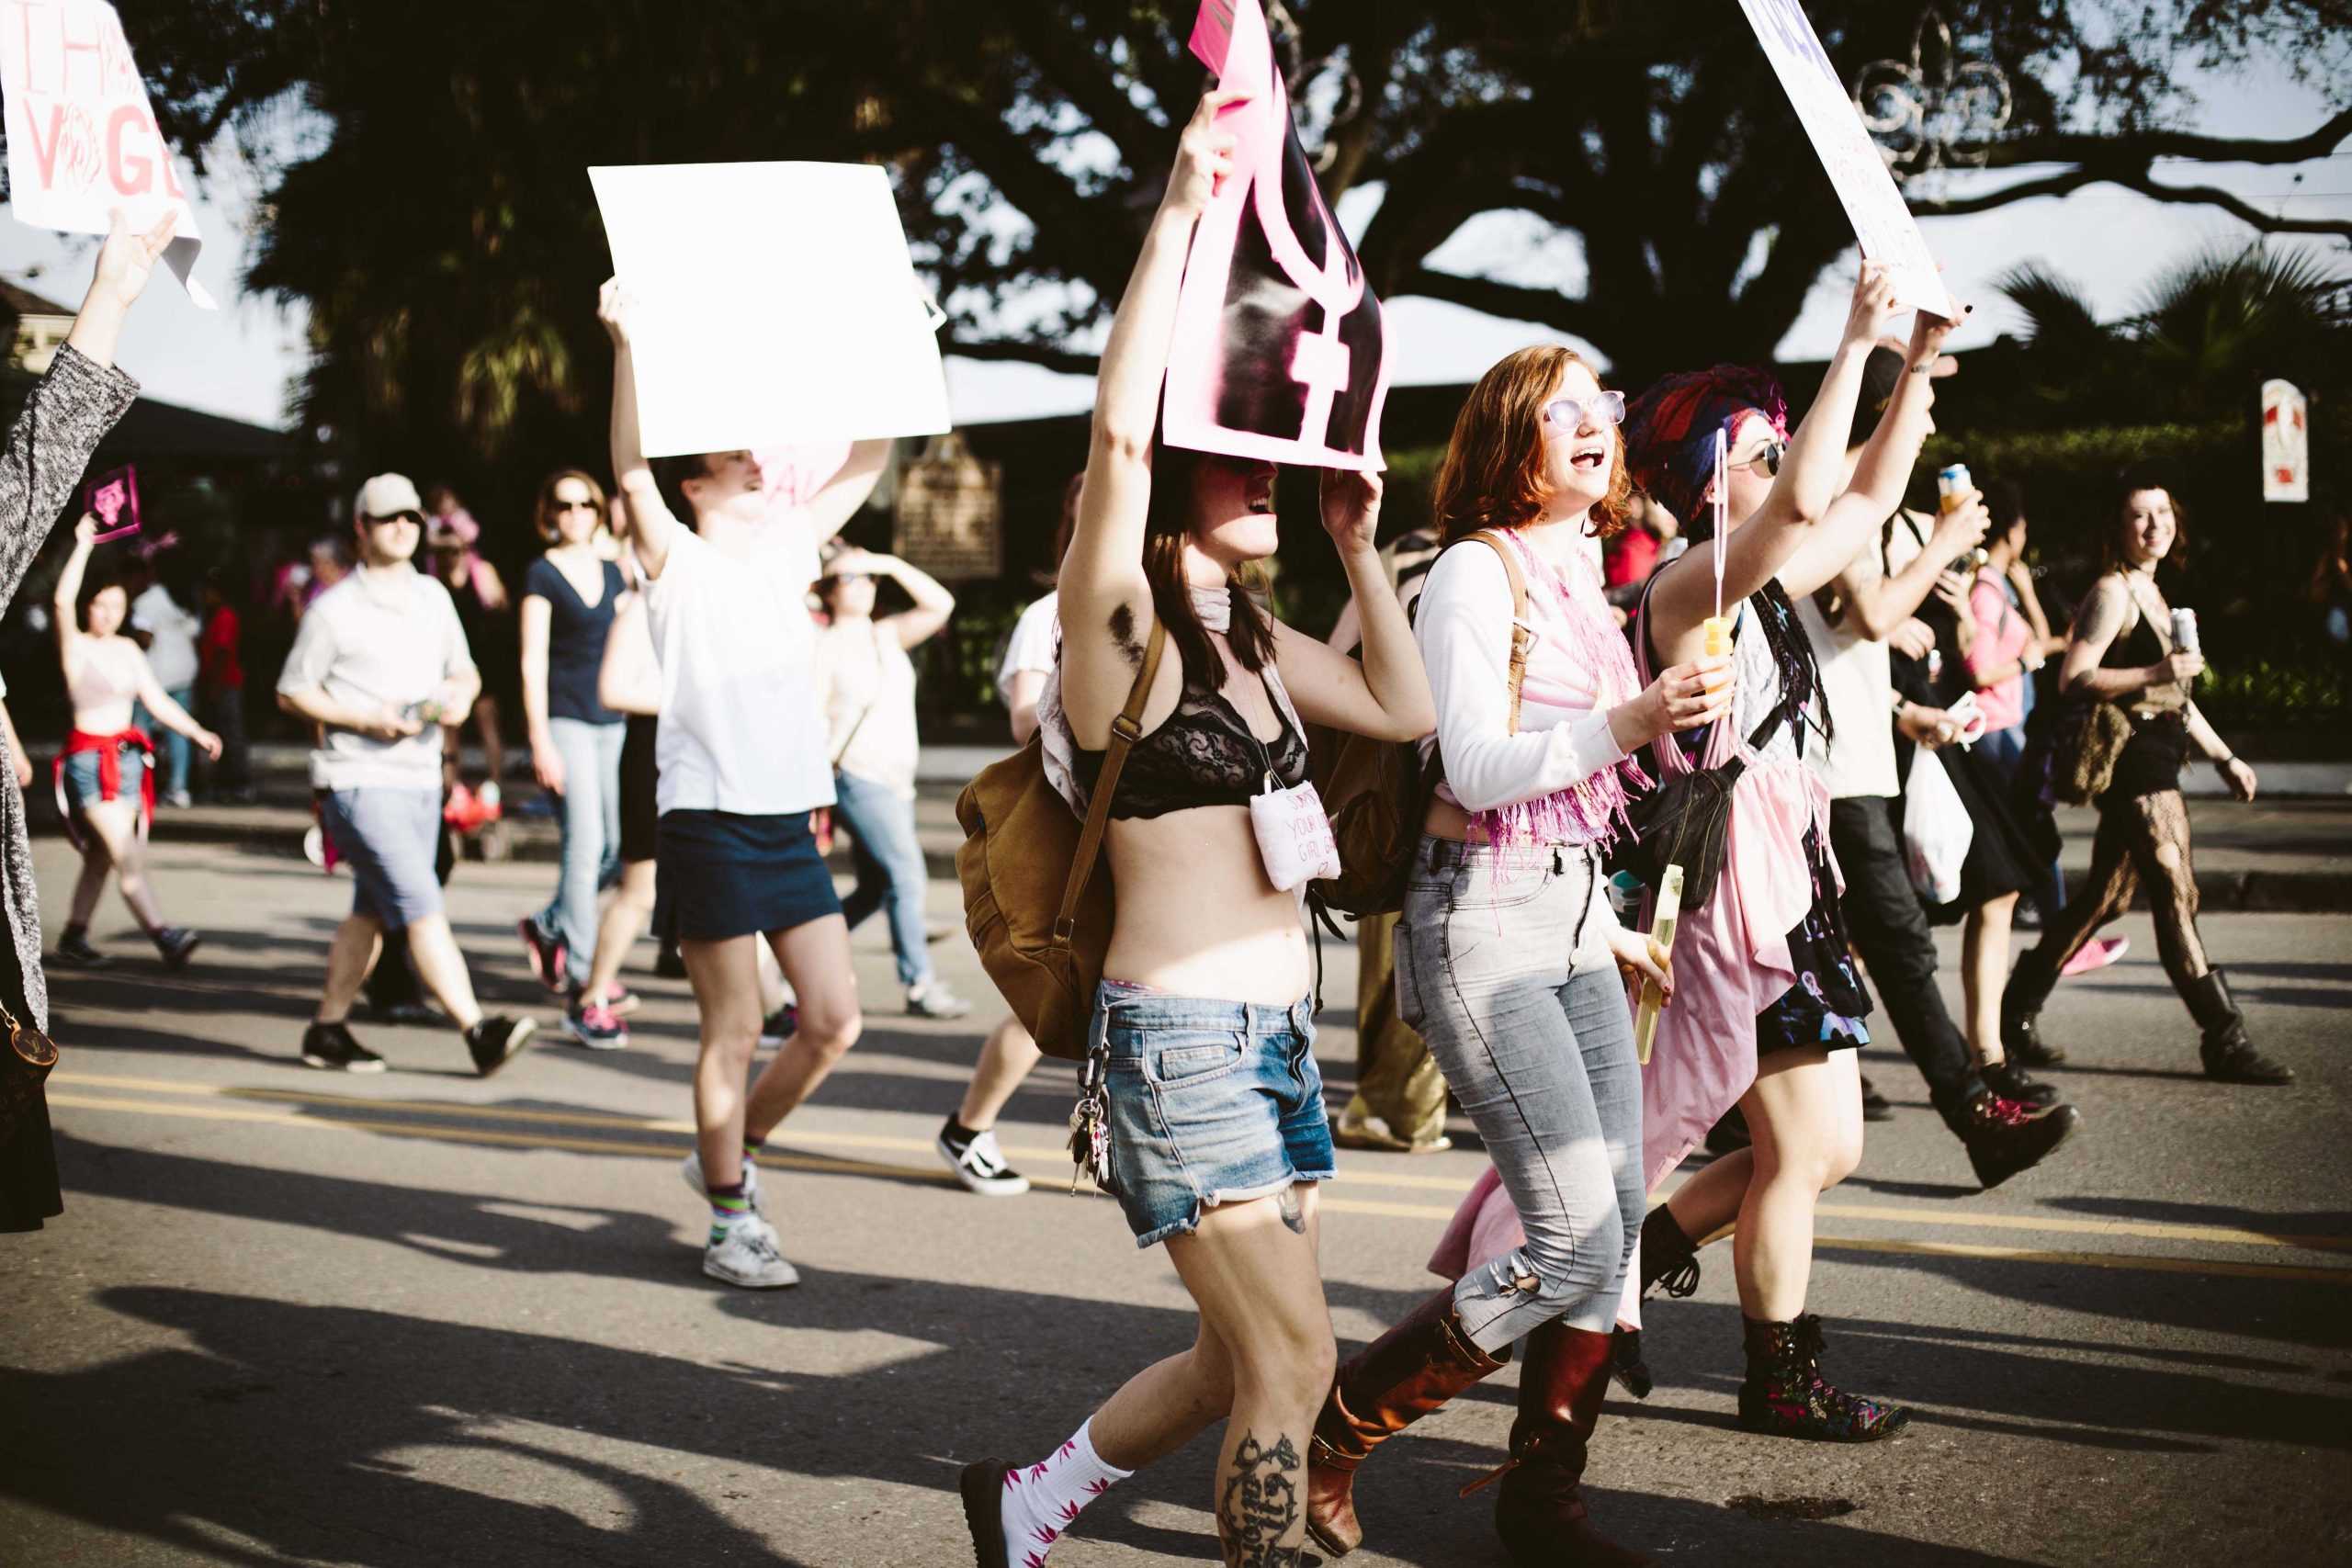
(1278, 350)
(113, 500)
(791, 475)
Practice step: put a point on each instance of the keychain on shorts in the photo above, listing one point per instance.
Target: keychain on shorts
(1090, 1125)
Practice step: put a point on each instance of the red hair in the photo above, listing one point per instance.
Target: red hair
(1492, 476)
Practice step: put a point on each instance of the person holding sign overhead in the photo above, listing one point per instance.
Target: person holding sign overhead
(743, 762)
(68, 411)
(106, 772)
(1770, 1010)
(1202, 1033)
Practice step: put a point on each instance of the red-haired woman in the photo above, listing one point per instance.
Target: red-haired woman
(2123, 652)
(1218, 1134)
(1507, 953)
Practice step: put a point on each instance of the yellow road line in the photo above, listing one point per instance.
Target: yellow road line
(1355, 1178)
(789, 1161)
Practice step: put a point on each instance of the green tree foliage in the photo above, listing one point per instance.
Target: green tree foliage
(427, 200)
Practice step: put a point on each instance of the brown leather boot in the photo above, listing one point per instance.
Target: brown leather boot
(1380, 1389)
(1539, 1512)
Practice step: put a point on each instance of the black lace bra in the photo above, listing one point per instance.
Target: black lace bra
(1205, 754)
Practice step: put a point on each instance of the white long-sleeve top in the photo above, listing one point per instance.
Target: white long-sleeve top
(1464, 627)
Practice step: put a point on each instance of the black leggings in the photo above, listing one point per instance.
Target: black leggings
(2143, 840)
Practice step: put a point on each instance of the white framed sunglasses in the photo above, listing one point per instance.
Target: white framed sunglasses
(1571, 415)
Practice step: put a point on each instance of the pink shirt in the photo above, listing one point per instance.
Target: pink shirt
(2001, 636)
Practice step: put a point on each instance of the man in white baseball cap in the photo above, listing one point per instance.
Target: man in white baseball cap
(381, 663)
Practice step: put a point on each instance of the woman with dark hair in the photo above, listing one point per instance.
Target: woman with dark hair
(1770, 1010)
(569, 597)
(1508, 951)
(2124, 651)
(106, 775)
(487, 615)
(1202, 1028)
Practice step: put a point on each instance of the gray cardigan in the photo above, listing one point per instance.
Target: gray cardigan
(68, 412)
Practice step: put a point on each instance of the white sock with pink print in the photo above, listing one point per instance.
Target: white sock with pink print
(1043, 1500)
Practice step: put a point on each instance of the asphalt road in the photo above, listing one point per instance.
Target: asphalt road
(427, 1319)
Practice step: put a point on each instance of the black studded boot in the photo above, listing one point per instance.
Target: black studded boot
(2030, 986)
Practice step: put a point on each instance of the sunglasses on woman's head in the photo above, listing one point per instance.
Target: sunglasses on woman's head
(1767, 457)
(1572, 414)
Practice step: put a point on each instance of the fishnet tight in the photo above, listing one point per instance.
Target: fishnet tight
(2144, 839)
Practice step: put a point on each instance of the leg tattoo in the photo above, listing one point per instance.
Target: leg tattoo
(1261, 1506)
(1287, 1207)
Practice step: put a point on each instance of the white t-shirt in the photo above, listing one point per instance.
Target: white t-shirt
(1859, 686)
(382, 638)
(1031, 646)
(870, 704)
(741, 727)
(172, 654)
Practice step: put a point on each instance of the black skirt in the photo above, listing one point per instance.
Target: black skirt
(719, 875)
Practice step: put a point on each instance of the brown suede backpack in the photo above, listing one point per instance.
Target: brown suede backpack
(1039, 917)
(1377, 791)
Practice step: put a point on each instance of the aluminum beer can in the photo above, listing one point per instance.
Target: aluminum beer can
(1951, 482)
(2184, 631)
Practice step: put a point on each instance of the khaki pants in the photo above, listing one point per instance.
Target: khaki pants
(1397, 1080)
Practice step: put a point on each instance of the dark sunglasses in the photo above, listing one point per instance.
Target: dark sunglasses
(374, 522)
(1768, 458)
(561, 505)
(1571, 415)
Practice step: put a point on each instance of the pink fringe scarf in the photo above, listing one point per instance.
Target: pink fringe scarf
(1591, 811)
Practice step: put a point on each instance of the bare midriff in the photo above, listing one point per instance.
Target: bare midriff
(1196, 916)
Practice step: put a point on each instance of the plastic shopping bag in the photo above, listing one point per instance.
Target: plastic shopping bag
(1936, 831)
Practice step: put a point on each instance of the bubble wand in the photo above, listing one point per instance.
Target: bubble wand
(1718, 629)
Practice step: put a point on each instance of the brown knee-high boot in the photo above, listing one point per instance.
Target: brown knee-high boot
(1540, 1511)
(1380, 1389)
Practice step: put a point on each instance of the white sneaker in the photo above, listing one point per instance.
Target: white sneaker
(934, 999)
(747, 1253)
(981, 1167)
(690, 1169)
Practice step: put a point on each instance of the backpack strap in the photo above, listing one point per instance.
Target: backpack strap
(1522, 640)
(1126, 731)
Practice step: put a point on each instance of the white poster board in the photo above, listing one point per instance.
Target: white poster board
(81, 136)
(1889, 234)
(771, 302)
(2286, 442)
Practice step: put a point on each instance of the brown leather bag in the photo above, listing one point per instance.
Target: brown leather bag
(1377, 792)
(1039, 917)
(25, 1061)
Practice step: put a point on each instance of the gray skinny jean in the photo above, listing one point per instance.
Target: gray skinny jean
(1542, 1060)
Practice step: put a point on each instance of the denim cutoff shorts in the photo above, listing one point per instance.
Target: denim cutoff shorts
(82, 777)
(1210, 1102)
(389, 839)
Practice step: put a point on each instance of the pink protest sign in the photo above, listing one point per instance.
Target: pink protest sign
(113, 500)
(81, 139)
(1278, 350)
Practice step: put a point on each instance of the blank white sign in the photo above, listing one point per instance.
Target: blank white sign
(772, 302)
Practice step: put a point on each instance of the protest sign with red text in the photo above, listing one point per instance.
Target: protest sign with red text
(82, 138)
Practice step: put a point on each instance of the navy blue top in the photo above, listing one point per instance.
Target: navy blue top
(576, 632)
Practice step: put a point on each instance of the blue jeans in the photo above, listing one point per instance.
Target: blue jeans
(172, 748)
(1542, 1060)
(889, 865)
(591, 818)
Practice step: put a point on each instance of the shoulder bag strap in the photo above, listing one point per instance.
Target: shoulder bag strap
(1521, 640)
(1126, 731)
